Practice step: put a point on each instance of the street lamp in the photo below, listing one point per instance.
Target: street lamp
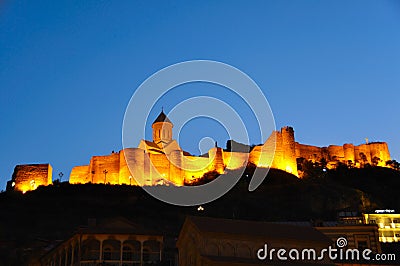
(60, 174)
(105, 175)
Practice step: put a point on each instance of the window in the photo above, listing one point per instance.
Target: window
(395, 221)
(372, 221)
(151, 252)
(90, 249)
(131, 253)
(397, 235)
(146, 255)
(107, 254)
(127, 253)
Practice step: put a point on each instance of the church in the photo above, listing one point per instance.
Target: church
(156, 162)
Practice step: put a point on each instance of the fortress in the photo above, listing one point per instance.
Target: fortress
(162, 161)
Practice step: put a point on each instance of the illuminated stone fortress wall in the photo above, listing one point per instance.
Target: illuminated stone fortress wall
(29, 176)
(376, 153)
(162, 160)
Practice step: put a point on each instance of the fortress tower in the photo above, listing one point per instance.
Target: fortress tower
(349, 155)
(30, 176)
(289, 148)
(216, 155)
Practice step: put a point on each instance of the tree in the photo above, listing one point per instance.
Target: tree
(393, 164)
(375, 161)
(364, 159)
(323, 163)
(310, 169)
(206, 178)
(350, 164)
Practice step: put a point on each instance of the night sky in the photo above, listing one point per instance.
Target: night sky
(330, 69)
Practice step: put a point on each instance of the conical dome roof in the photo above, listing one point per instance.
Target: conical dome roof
(162, 118)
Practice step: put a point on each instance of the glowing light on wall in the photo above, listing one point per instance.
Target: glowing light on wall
(289, 169)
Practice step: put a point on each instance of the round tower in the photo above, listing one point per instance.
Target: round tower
(162, 129)
(217, 159)
(379, 150)
(289, 150)
(349, 154)
(176, 172)
(336, 153)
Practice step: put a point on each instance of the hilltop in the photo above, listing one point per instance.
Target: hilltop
(54, 212)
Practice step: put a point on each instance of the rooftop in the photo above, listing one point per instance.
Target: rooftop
(162, 117)
(258, 229)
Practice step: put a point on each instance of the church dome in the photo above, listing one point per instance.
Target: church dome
(162, 118)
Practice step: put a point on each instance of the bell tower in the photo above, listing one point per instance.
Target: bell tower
(162, 129)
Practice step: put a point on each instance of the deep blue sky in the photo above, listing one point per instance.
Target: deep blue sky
(330, 69)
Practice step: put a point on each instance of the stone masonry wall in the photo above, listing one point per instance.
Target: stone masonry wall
(287, 151)
(30, 176)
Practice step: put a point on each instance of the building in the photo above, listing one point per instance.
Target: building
(30, 176)
(211, 241)
(112, 242)
(358, 236)
(154, 162)
(162, 160)
(388, 223)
